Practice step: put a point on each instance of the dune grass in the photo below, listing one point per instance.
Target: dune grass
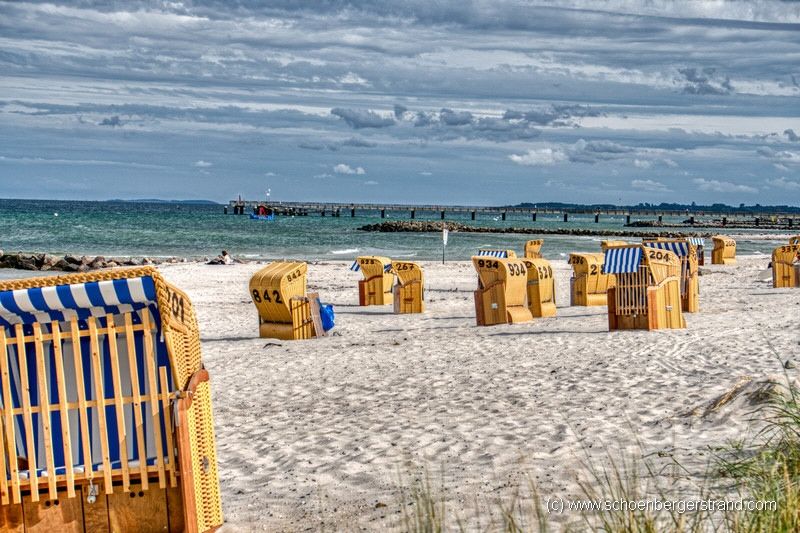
(765, 467)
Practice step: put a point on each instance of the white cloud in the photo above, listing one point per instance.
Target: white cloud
(722, 186)
(538, 157)
(342, 168)
(784, 183)
(370, 182)
(362, 118)
(351, 78)
(649, 185)
(462, 86)
(781, 156)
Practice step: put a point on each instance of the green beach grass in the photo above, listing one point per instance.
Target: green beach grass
(762, 468)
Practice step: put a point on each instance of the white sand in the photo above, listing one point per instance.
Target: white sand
(321, 431)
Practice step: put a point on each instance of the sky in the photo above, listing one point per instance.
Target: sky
(449, 102)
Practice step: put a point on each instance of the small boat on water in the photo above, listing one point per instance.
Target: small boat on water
(263, 212)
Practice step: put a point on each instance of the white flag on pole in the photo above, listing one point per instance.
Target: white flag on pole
(444, 236)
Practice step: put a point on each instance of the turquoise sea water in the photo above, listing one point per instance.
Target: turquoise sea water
(164, 230)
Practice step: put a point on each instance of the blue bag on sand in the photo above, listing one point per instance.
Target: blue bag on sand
(326, 313)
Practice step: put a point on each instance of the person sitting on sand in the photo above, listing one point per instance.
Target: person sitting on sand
(223, 259)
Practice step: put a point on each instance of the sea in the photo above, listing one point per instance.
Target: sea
(159, 230)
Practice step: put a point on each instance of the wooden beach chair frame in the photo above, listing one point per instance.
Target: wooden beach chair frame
(285, 311)
(786, 266)
(647, 291)
(501, 297)
(541, 288)
(690, 272)
(409, 291)
(724, 252)
(588, 284)
(115, 329)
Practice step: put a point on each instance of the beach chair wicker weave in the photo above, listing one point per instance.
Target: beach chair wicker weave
(409, 291)
(285, 311)
(533, 249)
(647, 291)
(724, 252)
(541, 288)
(604, 245)
(376, 287)
(501, 295)
(786, 266)
(589, 283)
(125, 340)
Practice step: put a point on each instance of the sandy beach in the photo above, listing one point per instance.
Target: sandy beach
(323, 433)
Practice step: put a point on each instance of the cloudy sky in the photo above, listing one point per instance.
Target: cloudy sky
(453, 101)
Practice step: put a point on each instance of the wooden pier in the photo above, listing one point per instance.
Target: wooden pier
(334, 209)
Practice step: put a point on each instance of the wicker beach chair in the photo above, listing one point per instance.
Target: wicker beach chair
(285, 311)
(700, 246)
(533, 249)
(409, 291)
(604, 245)
(376, 287)
(690, 274)
(647, 291)
(106, 420)
(589, 283)
(501, 295)
(724, 252)
(786, 266)
(541, 288)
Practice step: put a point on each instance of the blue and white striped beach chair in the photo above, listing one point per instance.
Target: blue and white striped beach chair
(502, 254)
(686, 251)
(700, 244)
(103, 395)
(647, 292)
